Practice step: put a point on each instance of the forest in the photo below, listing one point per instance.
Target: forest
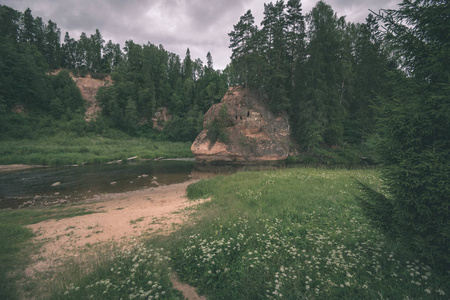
(327, 73)
(336, 79)
(146, 78)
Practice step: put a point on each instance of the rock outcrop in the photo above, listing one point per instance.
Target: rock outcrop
(249, 131)
(160, 118)
(88, 87)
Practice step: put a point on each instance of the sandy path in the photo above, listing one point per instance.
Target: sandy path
(120, 217)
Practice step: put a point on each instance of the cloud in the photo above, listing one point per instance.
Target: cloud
(201, 25)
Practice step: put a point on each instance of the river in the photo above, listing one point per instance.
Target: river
(49, 186)
(45, 186)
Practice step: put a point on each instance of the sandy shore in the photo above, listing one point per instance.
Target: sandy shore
(17, 167)
(120, 218)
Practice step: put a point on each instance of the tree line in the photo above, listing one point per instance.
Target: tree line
(325, 71)
(146, 78)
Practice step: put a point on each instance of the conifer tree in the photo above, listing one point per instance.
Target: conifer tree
(242, 44)
(414, 132)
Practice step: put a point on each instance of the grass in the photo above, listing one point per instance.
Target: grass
(65, 149)
(287, 234)
(14, 237)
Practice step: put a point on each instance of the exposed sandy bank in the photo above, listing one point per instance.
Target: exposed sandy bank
(17, 167)
(120, 217)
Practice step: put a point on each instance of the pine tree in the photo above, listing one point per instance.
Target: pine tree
(295, 36)
(52, 35)
(320, 79)
(28, 31)
(242, 44)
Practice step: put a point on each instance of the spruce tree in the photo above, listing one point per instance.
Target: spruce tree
(415, 133)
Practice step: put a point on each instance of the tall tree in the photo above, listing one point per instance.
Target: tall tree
(415, 133)
(9, 23)
(112, 56)
(242, 44)
(28, 31)
(295, 35)
(95, 51)
(188, 71)
(69, 52)
(52, 37)
(275, 53)
(209, 61)
(320, 81)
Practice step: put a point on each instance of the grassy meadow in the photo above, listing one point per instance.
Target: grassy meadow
(66, 149)
(287, 234)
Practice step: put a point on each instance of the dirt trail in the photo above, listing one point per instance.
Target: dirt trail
(120, 217)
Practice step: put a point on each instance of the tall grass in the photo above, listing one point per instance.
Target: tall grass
(296, 234)
(287, 234)
(65, 149)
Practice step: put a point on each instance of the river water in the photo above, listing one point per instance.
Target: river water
(45, 186)
(41, 186)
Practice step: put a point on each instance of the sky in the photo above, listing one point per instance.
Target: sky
(200, 25)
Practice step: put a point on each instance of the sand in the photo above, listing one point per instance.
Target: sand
(119, 218)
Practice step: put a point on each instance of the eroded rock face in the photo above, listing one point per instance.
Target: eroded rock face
(252, 132)
(160, 118)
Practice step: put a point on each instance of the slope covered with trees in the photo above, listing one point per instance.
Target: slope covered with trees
(147, 77)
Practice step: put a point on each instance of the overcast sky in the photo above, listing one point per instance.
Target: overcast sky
(201, 25)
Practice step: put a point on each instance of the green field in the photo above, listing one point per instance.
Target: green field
(66, 149)
(288, 234)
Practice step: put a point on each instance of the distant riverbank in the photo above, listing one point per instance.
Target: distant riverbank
(64, 149)
(17, 167)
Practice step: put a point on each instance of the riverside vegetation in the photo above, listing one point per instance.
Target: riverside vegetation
(287, 234)
(68, 149)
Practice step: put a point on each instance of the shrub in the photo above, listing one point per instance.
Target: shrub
(217, 127)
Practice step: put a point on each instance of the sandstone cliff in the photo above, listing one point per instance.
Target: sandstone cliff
(88, 87)
(251, 132)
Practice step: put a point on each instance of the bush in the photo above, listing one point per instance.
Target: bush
(217, 128)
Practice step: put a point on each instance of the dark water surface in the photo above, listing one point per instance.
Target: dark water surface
(20, 188)
(35, 187)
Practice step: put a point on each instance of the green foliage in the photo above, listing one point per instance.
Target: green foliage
(217, 128)
(414, 137)
(295, 234)
(325, 73)
(142, 273)
(181, 129)
(64, 149)
(292, 233)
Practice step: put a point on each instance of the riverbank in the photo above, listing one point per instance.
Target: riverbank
(115, 219)
(66, 149)
(291, 233)
(17, 167)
